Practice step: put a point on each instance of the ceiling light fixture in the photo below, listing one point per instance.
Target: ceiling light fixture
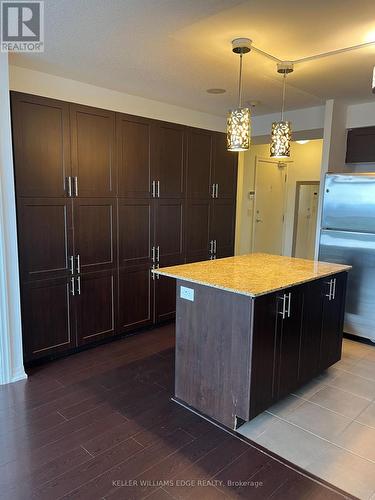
(281, 133)
(303, 141)
(238, 121)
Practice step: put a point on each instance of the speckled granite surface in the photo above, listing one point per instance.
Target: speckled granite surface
(253, 274)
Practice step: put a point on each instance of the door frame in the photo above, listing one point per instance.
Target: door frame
(296, 208)
(268, 160)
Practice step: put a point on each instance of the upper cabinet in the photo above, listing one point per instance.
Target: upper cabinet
(93, 148)
(41, 146)
(170, 160)
(134, 147)
(361, 145)
(199, 163)
(224, 175)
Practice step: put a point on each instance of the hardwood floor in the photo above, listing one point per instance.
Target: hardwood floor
(99, 424)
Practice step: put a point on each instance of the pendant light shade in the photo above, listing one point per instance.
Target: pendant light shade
(281, 136)
(239, 119)
(281, 133)
(238, 129)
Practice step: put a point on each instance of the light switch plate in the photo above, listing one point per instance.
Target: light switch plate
(187, 293)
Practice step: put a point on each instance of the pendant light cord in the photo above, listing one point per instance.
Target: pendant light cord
(283, 103)
(240, 85)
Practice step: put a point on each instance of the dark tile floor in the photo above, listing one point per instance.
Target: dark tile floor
(99, 424)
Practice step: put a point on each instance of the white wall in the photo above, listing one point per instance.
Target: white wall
(305, 166)
(361, 115)
(56, 87)
(11, 360)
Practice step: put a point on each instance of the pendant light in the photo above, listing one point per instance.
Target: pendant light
(238, 121)
(281, 133)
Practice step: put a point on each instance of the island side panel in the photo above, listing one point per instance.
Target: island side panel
(213, 337)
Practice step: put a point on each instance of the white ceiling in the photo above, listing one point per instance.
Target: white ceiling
(173, 50)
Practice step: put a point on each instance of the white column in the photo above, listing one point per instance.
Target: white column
(11, 358)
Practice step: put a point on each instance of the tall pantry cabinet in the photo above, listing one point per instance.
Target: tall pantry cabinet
(102, 198)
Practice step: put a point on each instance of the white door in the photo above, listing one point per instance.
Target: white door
(307, 196)
(270, 187)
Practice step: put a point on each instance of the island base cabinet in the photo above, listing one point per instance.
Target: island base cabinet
(296, 334)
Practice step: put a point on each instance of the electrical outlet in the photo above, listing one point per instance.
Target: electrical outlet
(187, 293)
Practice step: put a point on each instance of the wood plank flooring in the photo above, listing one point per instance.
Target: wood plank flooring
(99, 424)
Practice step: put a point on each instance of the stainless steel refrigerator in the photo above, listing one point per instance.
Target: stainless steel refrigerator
(348, 237)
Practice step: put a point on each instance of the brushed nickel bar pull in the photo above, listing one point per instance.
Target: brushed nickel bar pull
(157, 254)
(211, 247)
(75, 186)
(69, 182)
(213, 191)
(79, 285)
(329, 295)
(153, 189)
(158, 191)
(78, 264)
(153, 254)
(72, 291)
(153, 274)
(158, 275)
(283, 310)
(217, 191)
(289, 300)
(215, 247)
(71, 258)
(334, 289)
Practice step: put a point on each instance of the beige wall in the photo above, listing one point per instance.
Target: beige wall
(305, 165)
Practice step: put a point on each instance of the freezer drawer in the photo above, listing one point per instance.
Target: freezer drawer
(357, 250)
(349, 203)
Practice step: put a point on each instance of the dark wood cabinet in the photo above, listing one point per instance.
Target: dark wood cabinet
(224, 168)
(199, 164)
(45, 237)
(93, 151)
(47, 318)
(95, 301)
(102, 198)
(332, 319)
(170, 146)
(41, 146)
(95, 231)
(134, 150)
(360, 146)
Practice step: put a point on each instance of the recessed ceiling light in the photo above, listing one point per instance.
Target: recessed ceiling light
(216, 91)
(303, 141)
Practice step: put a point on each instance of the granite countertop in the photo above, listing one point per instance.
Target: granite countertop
(252, 274)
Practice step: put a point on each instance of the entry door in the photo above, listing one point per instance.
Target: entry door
(270, 182)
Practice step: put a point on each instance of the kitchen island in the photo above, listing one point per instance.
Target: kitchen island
(253, 328)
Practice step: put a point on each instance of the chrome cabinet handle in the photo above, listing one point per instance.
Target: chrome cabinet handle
(211, 247)
(69, 182)
(329, 294)
(158, 191)
(75, 186)
(214, 246)
(78, 264)
(158, 254)
(72, 291)
(213, 191)
(79, 285)
(153, 254)
(154, 276)
(289, 301)
(71, 258)
(283, 310)
(217, 191)
(153, 189)
(334, 289)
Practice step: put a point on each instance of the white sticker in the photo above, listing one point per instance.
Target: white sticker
(187, 293)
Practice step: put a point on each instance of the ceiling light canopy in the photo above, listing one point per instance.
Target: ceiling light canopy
(281, 133)
(238, 121)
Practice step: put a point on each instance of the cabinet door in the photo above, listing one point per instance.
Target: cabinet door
(134, 152)
(47, 318)
(224, 168)
(93, 147)
(41, 145)
(289, 340)
(311, 330)
(197, 230)
(135, 308)
(332, 322)
(360, 145)
(135, 231)
(222, 226)
(263, 354)
(198, 164)
(95, 233)
(95, 306)
(170, 147)
(44, 237)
